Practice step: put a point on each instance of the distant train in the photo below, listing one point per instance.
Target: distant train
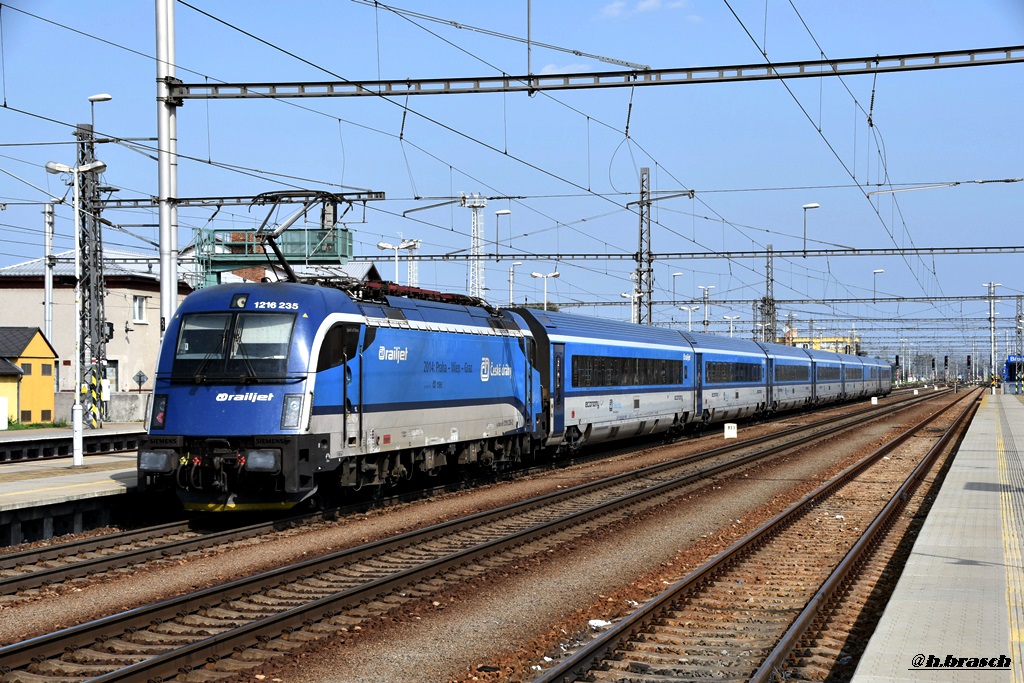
(271, 394)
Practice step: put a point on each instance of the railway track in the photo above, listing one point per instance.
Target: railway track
(762, 605)
(80, 558)
(276, 611)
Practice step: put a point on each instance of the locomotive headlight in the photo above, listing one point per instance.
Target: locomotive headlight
(263, 460)
(157, 461)
(292, 411)
(158, 414)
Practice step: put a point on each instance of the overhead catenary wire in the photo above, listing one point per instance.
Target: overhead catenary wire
(556, 224)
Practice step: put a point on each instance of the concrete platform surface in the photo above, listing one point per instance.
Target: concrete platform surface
(958, 610)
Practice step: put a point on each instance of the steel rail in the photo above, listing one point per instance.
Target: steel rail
(19, 655)
(575, 667)
(827, 595)
(51, 575)
(216, 646)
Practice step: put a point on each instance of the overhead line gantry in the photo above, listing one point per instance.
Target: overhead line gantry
(172, 93)
(875, 64)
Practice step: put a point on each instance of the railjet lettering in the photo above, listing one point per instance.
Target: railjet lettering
(250, 396)
(394, 353)
(489, 369)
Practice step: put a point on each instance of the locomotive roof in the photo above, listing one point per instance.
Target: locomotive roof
(219, 296)
(440, 312)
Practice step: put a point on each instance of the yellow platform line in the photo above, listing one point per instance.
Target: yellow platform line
(1012, 554)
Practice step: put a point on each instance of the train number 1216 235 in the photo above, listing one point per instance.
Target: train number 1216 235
(278, 305)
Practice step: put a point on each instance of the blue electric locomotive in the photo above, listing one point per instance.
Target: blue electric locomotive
(267, 392)
(267, 395)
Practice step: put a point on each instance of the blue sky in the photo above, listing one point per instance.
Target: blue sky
(751, 151)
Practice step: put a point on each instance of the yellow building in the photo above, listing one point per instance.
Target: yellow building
(26, 374)
(835, 344)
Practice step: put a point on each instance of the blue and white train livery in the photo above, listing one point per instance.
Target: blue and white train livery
(271, 394)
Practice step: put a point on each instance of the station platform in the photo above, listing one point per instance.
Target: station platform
(55, 442)
(44, 496)
(960, 598)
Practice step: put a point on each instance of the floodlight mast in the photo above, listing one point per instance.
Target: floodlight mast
(77, 454)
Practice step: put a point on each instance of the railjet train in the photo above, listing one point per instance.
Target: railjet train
(268, 395)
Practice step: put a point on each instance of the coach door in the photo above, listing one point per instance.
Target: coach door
(814, 381)
(558, 390)
(699, 385)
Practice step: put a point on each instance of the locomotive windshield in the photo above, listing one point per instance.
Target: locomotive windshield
(243, 347)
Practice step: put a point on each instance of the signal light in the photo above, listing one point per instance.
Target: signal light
(897, 359)
(945, 361)
(968, 361)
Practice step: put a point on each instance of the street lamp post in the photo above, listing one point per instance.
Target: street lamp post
(808, 206)
(674, 276)
(874, 283)
(512, 282)
(385, 246)
(545, 278)
(97, 166)
(497, 232)
(633, 309)
(689, 317)
(93, 99)
(404, 244)
(707, 304)
(731, 319)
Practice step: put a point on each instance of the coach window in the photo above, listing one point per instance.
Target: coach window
(617, 371)
(723, 372)
(792, 373)
(828, 373)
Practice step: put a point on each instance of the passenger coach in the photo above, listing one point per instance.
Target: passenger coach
(828, 376)
(605, 380)
(731, 377)
(789, 373)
